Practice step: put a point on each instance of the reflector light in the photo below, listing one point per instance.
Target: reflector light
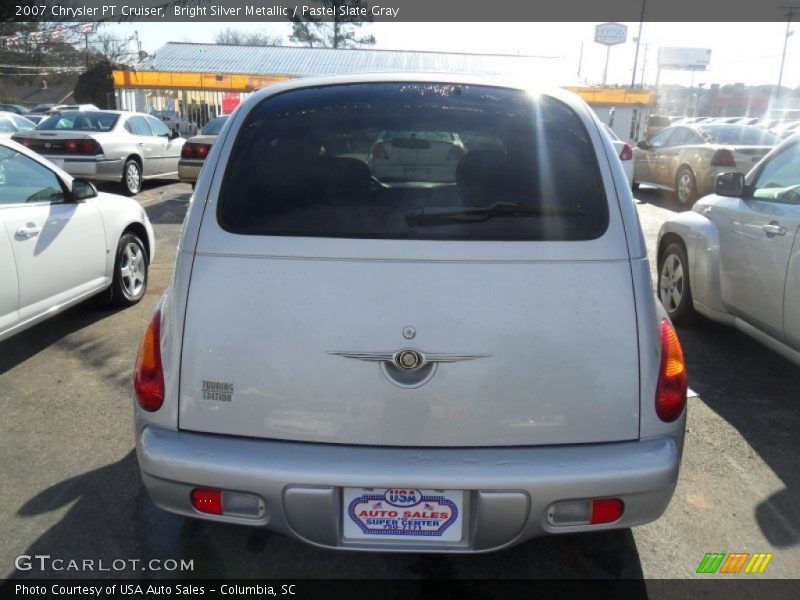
(672, 383)
(239, 504)
(207, 501)
(606, 510)
(570, 512)
(148, 375)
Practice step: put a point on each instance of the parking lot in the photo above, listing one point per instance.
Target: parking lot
(71, 488)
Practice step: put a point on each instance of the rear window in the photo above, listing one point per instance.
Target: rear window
(80, 121)
(413, 161)
(214, 126)
(744, 135)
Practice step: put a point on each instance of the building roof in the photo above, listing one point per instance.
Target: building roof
(296, 61)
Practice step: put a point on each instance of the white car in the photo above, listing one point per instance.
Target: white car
(62, 242)
(11, 123)
(624, 151)
(414, 156)
(414, 365)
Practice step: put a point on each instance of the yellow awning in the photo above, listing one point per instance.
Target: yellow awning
(192, 81)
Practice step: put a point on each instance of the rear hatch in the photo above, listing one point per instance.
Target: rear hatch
(311, 279)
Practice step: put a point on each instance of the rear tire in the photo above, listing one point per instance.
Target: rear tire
(131, 177)
(685, 187)
(674, 289)
(130, 271)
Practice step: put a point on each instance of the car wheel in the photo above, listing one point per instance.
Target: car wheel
(685, 187)
(132, 178)
(674, 290)
(130, 271)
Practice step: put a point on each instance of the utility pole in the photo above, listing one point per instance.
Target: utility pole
(790, 12)
(580, 62)
(638, 41)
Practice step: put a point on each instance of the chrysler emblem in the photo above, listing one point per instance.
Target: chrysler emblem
(408, 359)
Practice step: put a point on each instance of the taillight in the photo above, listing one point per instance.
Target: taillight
(723, 158)
(207, 501)
(585, 512)
(148, 374)
(194, 150)
(379, 152)
(626, 153)
(85, 146)
(671, 388)
(606, 510)
(456, 152)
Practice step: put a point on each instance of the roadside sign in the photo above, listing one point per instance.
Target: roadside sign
(610, 34)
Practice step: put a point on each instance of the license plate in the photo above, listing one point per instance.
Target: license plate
(417, 174)
(401, 513)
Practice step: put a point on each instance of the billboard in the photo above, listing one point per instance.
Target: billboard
(610, 33)
(695, 59)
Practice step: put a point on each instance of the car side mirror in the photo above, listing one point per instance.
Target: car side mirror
(82, 190)
(174, 135)
(729, 184)
(643, 145)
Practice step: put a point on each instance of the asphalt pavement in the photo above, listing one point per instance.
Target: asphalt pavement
(71, 489)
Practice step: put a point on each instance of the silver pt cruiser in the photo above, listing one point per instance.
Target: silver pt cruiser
(412, 364)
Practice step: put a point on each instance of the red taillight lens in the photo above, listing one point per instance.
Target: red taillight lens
(207, 501)
(90, 147)
(671, 388)
(723, 158)
(379, 152)
(626, 153)
(192, 150)
(606, 510)
(456, 153)
(148, 375)
(71, 145)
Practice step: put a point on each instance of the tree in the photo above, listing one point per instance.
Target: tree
(236, 37)
(96, 84)
(340, 32)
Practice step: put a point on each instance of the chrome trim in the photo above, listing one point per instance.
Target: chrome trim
(394, 357)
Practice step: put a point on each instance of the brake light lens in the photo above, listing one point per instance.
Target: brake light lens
(195, 150)
(626, 153)
(672, 384)
(723, 158)
(148, 374)
(207, 501)
(606, 510)
(379, 152)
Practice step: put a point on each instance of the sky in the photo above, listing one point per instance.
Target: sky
(740, 52)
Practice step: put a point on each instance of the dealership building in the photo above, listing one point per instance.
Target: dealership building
(188, 84)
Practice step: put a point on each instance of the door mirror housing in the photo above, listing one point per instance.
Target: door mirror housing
(643, 145)
(82, 190)
(729, 184)
(174, 134)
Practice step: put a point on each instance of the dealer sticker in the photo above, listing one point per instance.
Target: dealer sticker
(397, 513)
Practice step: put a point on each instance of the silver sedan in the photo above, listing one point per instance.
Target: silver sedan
(108, 145)
(735, 257)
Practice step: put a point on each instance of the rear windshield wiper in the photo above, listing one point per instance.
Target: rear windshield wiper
(421, 217)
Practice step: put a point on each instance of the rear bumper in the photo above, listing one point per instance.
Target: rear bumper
(189, 170)
(95, 169)
(509, 490)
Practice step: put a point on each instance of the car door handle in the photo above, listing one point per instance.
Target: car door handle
(27, 232)
(774, 229)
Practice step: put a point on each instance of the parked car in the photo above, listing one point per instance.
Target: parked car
(35, 118)
(624, 152)
(176, 122)
(656, 123)
(11, 123)
(426, 365)
(108, 145)
(14, 108)
(61, 108)
(735, 258)
(785, 130)
(195, 150)
(685, 159)
(416, 156)
(63, 242)
(41, 109)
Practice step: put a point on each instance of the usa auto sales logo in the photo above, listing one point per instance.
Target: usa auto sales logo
(402, 512)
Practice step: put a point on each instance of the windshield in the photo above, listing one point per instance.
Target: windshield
(80, 121)
(361, 160)
(743, 135)
(214, 126)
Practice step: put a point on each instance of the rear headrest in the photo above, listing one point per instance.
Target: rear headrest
(479, 175)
